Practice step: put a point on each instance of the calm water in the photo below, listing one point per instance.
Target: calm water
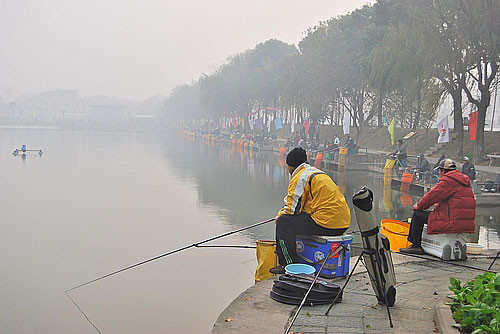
(96, 202)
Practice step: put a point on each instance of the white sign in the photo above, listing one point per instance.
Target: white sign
(444, 131)
(347, 123)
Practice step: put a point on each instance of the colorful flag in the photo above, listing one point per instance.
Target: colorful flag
(306, 127)
(347, 123)
(278, 124)
(444, 131)
(472, 124)
(390, 128)
(259, 124)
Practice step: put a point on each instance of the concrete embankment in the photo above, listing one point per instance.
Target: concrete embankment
(421, 290)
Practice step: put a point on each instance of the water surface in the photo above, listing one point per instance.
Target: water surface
(97, 201)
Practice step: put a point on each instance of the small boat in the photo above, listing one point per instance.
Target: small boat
(24, 150)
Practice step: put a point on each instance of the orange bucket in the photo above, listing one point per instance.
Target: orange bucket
(407, 178)
(397, 233)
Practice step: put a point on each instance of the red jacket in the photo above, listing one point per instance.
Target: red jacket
(456, 206)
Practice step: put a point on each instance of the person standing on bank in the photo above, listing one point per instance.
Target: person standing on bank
(469, 169)
(454, 210)
(314, 205)
(401, 153)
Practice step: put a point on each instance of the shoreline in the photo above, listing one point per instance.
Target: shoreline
(421, 289)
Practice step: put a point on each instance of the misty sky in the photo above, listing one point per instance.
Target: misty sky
(139, 48)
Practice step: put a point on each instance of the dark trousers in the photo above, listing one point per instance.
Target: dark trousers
(287, 228)
(417, 226)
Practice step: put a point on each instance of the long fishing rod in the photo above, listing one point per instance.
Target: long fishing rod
(227, 246)
(170, 253)
(440, 261)
(448, 262)
(330, 254)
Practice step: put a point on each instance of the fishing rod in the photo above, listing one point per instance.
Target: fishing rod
(441, 261)
(197, 244)
(448, 262)
(227, 246)
(330, 254)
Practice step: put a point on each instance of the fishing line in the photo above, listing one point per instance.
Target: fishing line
(197, 245)
(169, 253)
(83, 313)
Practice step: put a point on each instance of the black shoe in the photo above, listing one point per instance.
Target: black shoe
(278, 270)
(413, 249)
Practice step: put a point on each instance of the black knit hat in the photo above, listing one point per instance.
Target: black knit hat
(296, 157)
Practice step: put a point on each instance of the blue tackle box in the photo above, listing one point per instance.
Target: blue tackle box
(313, 249)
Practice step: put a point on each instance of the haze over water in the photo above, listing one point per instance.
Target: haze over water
(96, 202)
(99, 201)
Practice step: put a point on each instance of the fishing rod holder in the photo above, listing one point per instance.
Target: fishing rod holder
(371, 253)
(331, 253)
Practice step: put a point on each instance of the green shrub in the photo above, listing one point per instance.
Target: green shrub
(476, 304)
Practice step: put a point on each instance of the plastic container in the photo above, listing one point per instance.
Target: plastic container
(474, 249)
(299, 268)
(397, 233)
(313, 249)
(449, 246)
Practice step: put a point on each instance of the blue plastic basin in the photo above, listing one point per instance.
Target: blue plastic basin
(299, 268)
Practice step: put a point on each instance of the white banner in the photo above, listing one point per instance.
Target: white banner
(444, 131)
(347, 123)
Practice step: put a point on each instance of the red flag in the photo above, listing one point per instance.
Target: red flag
(306, 127)
(472, 124)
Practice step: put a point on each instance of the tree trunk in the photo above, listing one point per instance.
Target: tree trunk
(402, 112)
(419, 105)
(479, 144)
(458, 120)
(380, 122)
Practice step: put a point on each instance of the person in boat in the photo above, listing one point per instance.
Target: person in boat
(314, 205)
(454, 207)
(469, 169)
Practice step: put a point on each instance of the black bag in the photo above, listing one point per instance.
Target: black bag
(291, 289)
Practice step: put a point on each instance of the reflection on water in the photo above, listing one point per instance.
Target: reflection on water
(264, 174)
(96, 202)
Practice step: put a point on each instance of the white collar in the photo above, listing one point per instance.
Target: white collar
(305, 164)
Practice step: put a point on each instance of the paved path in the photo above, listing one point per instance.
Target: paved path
(421, 284)
(484, 169)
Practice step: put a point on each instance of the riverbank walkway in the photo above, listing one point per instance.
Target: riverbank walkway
(493, 170)
(422, 286)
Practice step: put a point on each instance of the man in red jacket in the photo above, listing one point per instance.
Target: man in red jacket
(454, 210)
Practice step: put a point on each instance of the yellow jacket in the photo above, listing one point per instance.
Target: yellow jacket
(313, 192)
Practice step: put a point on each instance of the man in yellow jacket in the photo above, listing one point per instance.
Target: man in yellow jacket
(314, 205)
